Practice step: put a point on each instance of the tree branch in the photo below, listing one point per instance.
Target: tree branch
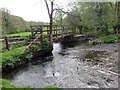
(47, 7)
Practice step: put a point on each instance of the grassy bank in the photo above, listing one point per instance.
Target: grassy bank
(111, 38)
(9, 58)
(5, 84)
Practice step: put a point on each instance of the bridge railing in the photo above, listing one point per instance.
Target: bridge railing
(57, 30)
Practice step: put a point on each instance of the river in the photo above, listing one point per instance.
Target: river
(71, 65)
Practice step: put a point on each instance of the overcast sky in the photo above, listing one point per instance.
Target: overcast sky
(30, 10)
(33, 10)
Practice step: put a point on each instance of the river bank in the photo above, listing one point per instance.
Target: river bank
(75, 65)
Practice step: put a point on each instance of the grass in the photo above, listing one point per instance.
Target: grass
(5, 84)
(19, 34)
(29, 33)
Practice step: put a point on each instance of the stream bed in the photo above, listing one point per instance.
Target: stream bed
(71, 65)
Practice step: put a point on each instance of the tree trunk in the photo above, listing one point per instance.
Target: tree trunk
(51, 37)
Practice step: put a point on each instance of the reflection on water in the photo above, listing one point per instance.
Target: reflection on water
(68, 67)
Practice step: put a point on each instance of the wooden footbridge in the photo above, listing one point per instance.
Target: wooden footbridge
(58, 31)
(39, 32)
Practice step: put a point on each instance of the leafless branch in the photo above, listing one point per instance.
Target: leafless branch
(47, 7)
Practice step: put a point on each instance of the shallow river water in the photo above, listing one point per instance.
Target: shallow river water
(72, 65)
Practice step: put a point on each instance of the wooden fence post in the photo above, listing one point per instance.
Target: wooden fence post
(6, 43)
(41, 37)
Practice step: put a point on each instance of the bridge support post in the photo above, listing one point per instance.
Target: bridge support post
(41, 36)
(31, 30)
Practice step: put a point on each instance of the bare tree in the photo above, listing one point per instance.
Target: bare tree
(50, 13)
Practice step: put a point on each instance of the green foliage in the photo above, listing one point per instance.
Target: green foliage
(28, 55)
(34, 48)
(108, 38)
(93, 16)
(10, 57)
(18, 45)
(45, 45)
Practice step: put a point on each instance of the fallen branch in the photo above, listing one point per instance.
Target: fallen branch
(31, 43)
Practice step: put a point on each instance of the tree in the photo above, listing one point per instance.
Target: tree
(11, 23)
(94, 16)
(50, 13)
(5, 19)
